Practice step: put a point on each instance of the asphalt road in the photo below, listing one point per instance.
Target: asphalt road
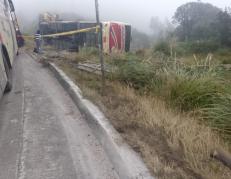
(42, 133)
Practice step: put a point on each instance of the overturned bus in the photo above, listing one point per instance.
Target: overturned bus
(116, 35)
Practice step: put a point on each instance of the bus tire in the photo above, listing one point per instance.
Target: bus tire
(8, 74)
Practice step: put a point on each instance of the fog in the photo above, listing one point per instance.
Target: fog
(136, 12)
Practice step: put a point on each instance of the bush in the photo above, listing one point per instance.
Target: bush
(223, 52)
(193, 94)
(226, 61)
(198, 89)
(140, 52)
(201, 47)
(162, 46)
(180, 50)
(224, 55)
(185, 48)
(136, 73)
(205, 94)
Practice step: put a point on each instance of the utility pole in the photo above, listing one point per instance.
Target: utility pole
(100, 43)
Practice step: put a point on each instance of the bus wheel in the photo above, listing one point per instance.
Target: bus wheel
(8, 74)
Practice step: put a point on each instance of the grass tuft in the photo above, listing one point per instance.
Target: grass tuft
(199, 89)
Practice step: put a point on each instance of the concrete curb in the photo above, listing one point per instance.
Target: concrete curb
(127, 163)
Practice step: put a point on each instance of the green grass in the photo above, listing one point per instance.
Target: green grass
(200, 89)
(195, 86)
(224, 56)
(136, 74)
(207, 97)
(88, 51)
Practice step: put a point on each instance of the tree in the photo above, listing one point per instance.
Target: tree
(224, 27)
(194, 20)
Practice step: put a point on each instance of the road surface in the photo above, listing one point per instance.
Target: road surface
(42, 133)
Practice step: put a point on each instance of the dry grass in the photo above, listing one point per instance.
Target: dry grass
(172, 145)
(29, 44)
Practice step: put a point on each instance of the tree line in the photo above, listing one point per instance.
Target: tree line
(203, 22)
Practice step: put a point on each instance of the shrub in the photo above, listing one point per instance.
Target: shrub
(193, 94)
(136, 73)
(223, 52)
(226, 61)
(205, 94)
(202, 47)
(200, 90)
(224, 55)
(180, 49)
(162, 46)
(140, 52)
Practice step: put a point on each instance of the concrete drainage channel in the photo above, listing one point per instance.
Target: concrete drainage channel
(127, 163)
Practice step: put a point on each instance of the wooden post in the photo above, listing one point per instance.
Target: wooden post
(100, 44)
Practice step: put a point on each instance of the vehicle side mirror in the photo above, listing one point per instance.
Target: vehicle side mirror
(11, 6)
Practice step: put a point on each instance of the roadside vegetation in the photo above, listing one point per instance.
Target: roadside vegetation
(171, 102)
(172, 111)
(199, 89)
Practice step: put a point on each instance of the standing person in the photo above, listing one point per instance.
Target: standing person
(38, 40)
(20, 39)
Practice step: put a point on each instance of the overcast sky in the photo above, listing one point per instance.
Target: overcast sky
(136, 12)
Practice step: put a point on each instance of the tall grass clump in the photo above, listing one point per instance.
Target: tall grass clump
(202, 91)
(162, 46)
(137, 74)
(198, 89)
(134, 72)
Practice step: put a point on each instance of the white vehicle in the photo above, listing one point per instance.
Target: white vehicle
(8, 45)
